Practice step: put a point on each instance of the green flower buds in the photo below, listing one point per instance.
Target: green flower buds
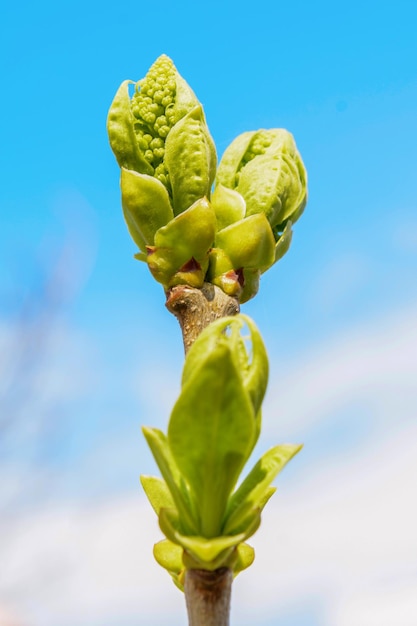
(168, 162)
(161, 131)
(265, 168)
(261, 174)
(211, 433)
(185, 233)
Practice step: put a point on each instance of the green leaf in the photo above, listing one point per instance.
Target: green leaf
(170, 524)
(190, 158)
(245, 558)
(185, 99)
(145, 202)
(247, 519)
(255, 489)
(273, 182)
(294, 195)
(206, 343)
(248, 243)
(189, 236)
(210, 433)
(120, 128)
(258, 424)
(222, 273)
(136, 235)
(283, 243)
(246, 524)
(265, 167)
(228, 205)
(251, 285)
(231, 160)
(158, 444)
(211, 553)
(157, 492)
(256, 369)
(169, 556)
(249, 352)
(200, 551)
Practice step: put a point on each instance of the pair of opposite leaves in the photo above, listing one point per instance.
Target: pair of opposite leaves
(212, 431)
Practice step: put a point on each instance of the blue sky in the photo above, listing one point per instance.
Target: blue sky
(337, 313)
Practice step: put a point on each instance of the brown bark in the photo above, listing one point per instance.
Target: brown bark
(197, 308)
(207, 595)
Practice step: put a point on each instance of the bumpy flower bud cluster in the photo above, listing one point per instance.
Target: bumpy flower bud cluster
(152, 106)
(187, 234)
(261, 190)
(161, 120)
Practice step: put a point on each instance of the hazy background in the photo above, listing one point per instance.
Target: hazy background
(88, 352)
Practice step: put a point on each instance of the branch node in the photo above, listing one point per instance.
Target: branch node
(197, 308)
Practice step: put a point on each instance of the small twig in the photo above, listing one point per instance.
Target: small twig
(197, 308)
(207, 595)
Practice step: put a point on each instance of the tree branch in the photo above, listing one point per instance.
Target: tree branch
(207, 595)
(197, 308)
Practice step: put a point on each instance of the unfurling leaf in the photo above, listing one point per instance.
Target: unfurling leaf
(210, 433)
(255, 490)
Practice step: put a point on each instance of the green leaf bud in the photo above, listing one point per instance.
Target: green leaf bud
(210, 433)
(172, 557)
(249, 354)
(169, 555)
(208, 553)
(266, 169)
(245, 556)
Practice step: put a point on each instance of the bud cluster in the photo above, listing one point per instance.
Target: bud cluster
(186, 233)
(152, 105)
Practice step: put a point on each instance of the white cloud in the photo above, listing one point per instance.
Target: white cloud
(348, 527)
(383, 606)
(375, 364)
(43, 374)
(93, 566)
(339, 540)
(345, 536)
(50, 361)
